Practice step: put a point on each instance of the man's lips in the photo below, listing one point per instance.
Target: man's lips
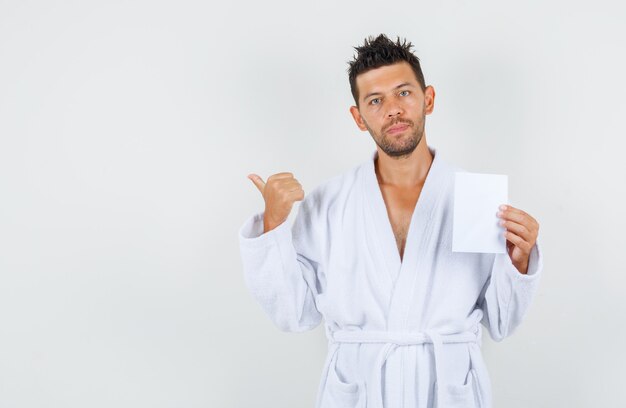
(397, 128)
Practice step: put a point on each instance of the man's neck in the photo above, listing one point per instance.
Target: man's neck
(404, 172)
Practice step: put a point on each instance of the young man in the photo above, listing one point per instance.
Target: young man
(371, 252)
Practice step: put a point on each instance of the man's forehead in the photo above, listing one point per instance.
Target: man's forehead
(385, 77)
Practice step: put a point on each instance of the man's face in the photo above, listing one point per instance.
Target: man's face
(393, 107)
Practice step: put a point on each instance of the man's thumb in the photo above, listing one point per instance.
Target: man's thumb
(258, 181)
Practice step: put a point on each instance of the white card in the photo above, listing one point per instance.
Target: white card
(477, 198)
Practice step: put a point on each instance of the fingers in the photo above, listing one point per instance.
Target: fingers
(290, 189)
(517, 228)
(518, 241)
(283, 183)
(516, 212)
(512, 216)
(512, 213)
(284, 174)
(521, 231)
(290, 185)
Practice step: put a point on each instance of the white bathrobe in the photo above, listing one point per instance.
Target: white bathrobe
(402, 333)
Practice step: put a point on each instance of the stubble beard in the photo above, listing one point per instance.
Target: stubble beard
(399, 145)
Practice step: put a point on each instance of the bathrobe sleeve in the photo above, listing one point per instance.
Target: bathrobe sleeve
(507, 295)
(281, 267)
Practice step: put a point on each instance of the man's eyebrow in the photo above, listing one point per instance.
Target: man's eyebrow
(378, 93)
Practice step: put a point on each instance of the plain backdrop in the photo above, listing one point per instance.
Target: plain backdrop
(127, 130)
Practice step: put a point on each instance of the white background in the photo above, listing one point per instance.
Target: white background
(127, 130)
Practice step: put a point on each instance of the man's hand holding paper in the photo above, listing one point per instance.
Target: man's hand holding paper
(521, 235)
(477, 198)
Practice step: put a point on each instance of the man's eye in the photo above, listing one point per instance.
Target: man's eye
(375, 101)
(404, 93)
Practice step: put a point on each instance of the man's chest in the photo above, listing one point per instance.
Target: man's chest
(400, 205)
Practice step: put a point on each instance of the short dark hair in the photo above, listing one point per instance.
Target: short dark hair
(378, 52)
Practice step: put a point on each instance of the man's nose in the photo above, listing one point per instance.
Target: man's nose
(394, 110)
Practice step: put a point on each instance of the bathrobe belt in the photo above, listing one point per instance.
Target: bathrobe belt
(392, 341)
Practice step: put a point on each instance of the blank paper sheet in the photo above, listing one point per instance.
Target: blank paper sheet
(477, 198)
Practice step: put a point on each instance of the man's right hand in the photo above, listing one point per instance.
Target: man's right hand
(279, 193)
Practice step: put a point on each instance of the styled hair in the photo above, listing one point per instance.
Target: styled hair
(378, 52)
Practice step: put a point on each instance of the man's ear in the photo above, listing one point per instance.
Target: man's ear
(357, 117)
(429, 99)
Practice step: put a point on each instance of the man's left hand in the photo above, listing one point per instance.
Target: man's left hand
(521, 235)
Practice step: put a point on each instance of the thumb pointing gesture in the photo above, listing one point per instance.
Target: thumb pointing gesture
(279, 193)
(258, 181)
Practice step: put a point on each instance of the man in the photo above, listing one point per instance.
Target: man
(371, 252)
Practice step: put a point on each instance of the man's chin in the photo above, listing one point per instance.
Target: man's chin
(400, 152)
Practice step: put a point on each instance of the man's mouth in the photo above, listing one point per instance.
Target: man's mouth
(397, 128)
